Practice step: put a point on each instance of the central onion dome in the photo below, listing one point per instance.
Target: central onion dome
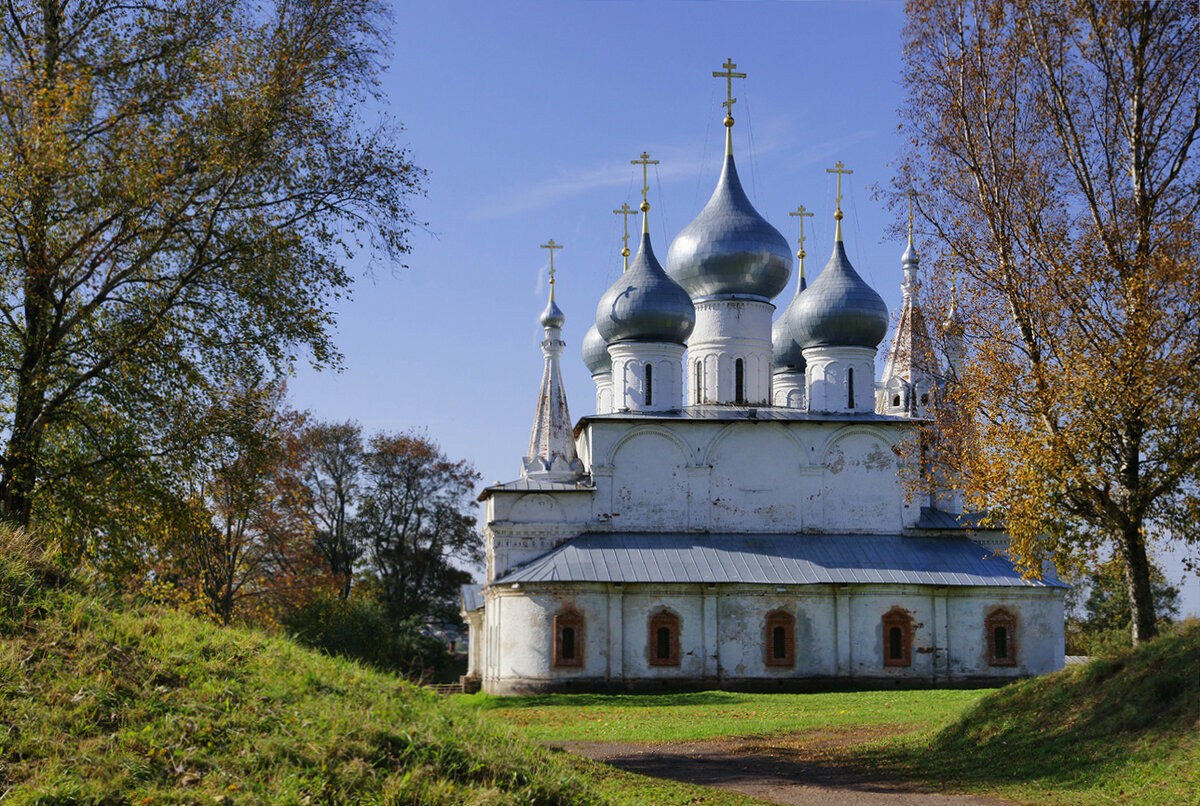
(788, 353)
(595, 352)
(729, 249)
(644, 304)
(839, 309)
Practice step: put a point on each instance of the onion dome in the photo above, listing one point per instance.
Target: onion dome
(839, 309)
(553, 315)
(595, 352)
(644, 304)
(789, 355)
(729, 249)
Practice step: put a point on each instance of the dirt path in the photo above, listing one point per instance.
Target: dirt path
(789, 769)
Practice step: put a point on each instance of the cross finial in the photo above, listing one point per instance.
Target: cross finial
(551, 246)
(802, 213)
(729, 76)
(626, 211)
(838, 169)
(911, 194)
(645, 162)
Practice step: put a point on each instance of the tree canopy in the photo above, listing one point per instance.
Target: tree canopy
(180, 184)
(1054, 145)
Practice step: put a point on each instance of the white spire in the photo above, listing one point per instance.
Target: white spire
(911, 366)
(551, 444)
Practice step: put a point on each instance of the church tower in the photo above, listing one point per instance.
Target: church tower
(645, 319)
(732, 263)
(839, 321)
(551, 444)
(787, 381)
(910, 375)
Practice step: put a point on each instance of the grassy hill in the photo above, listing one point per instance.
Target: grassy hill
(108, 704)
(1117, 730)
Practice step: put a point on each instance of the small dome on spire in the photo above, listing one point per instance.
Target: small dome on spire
(729, 248)
(839, 309)
(553, 315)
(910, 256)
(644, 304)
(595, 352)
(788, 354)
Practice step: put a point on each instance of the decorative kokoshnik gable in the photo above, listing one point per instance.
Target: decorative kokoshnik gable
(733, 515)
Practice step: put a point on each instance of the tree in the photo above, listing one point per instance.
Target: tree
(234, 541)
(330, 461)
(412, 523)
(179, 180)
(1055, 146)
(1100, 617)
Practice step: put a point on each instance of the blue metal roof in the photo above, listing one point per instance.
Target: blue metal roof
(472, 597)
(773, 559)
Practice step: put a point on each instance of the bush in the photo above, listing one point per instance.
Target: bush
(361, 629)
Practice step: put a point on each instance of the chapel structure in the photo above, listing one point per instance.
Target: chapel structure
(734, 515)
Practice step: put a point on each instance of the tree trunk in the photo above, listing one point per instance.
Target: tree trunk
(1137, 583)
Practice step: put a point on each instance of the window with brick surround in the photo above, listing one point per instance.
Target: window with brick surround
(781, 639)
(1001, 626)
(664, 639)
(568, 639)
(897, 637)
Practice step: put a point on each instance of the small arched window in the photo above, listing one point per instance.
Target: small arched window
(780, 639)
(664, 639)
(1001, 626)
(925, 400)
(568, 639)
(895, 401)
(699, 382)
(739, 382)
(649, 385)
(897, 637)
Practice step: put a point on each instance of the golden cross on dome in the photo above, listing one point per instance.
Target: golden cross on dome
(838, 169)
(802, 213)
(625, 211)
(645, 162)
(551, 246)
(911, 194)
(729, 76)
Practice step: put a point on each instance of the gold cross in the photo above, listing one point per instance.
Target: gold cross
(911, 194)
(551, 246)
(729, 76)
(838, 169)
(626, 211)
(803, 213)
(645, 162)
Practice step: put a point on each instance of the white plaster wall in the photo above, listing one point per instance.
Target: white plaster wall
(868, 604)
(637, 607)
(827, 379)
(650, 482)
(1040, 641)
(861, 490)
(743, 638)
(725, 331)
(754, 479)
(787, 390)
(629, 361)
(604, 392)
(526, 646)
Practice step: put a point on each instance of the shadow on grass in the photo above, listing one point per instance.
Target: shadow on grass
(666, 700)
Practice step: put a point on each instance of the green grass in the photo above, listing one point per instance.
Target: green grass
(690, 716)
(1118, 730)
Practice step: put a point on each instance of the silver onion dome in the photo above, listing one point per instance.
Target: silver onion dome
(644, 304)
(595, 352)
(553, 315)
(839, 309)
(788, 354)
(729, 249)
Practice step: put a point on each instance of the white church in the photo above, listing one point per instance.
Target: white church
(735, 513)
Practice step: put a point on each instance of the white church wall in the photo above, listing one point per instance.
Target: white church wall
(650, 482)
(725, 331)
(755, 484)
(1038, 632)
(861, 491)
(868, 605)
(638, 604)
(743, 635)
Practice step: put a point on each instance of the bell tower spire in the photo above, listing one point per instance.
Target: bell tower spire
(551, 444)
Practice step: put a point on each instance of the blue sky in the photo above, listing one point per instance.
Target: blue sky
(526, 115)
